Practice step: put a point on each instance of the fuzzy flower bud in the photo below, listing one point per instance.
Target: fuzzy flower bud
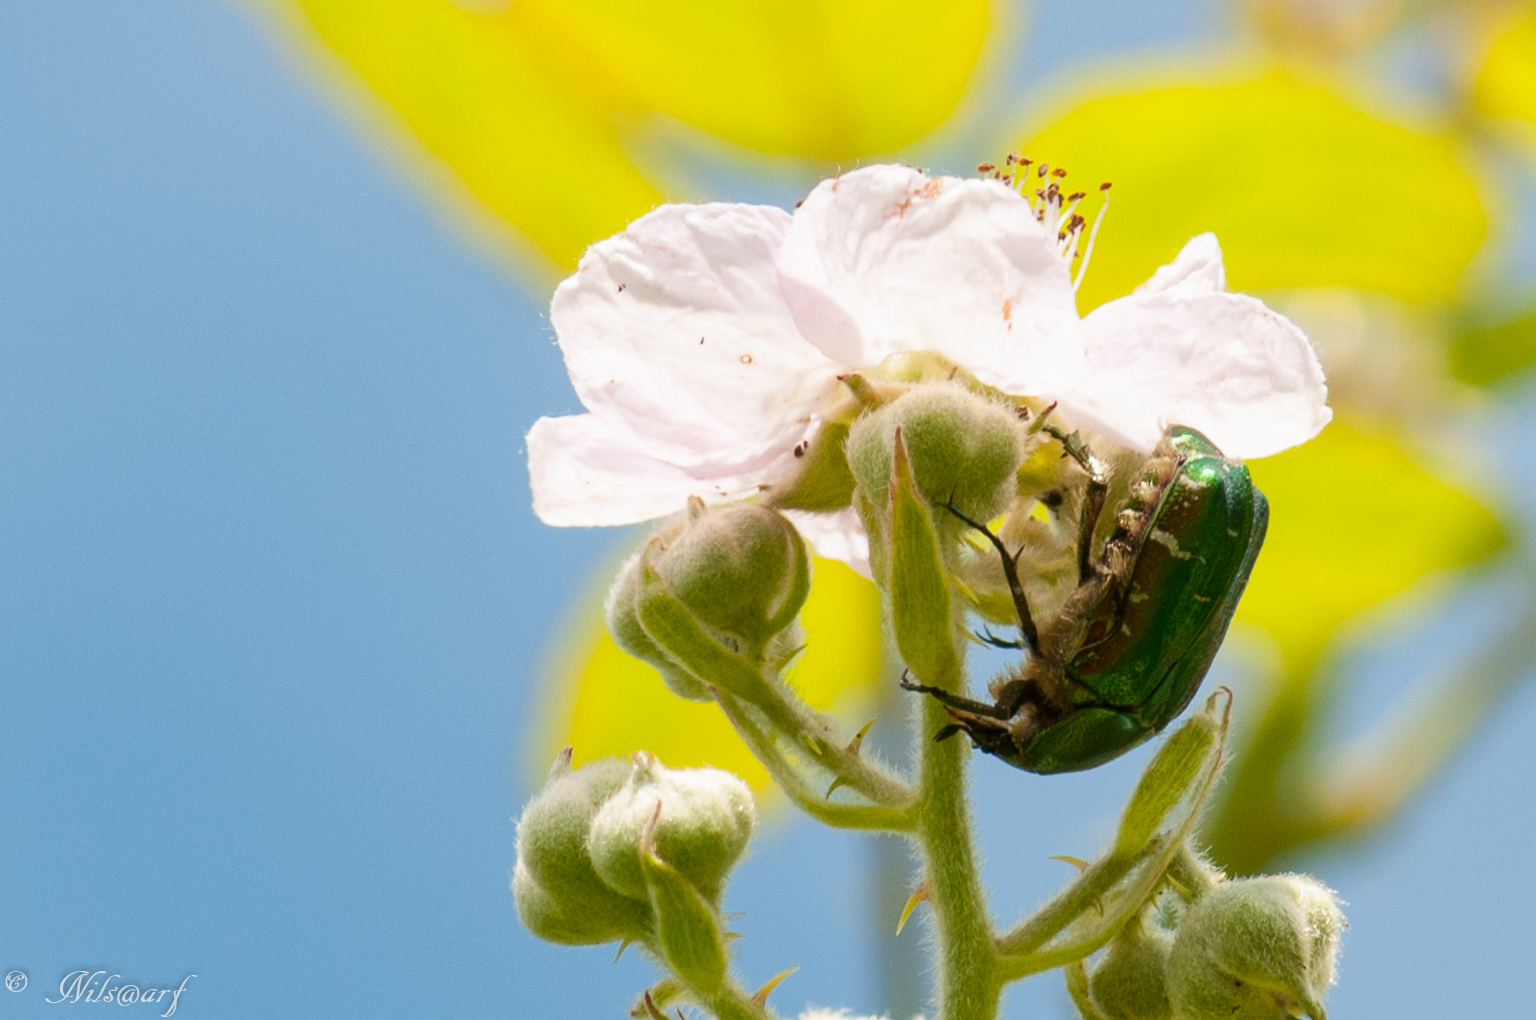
(1131, 982)
(1255, 949)
(559, 896)
(706, 817)
(742, 570)
(962, 447)
(624, 624)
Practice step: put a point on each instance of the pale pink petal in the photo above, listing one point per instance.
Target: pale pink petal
(835, 536)
(675, 331)
(1197, 269)
(1221, 363)
(585, 473)
(885, 259)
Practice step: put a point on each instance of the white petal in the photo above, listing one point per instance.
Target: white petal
(585, 473)
(1197, 269)
(675, 331)
(1222, 363)
(884, 260)
(836, 536)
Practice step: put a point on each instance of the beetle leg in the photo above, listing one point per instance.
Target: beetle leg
(1093, 498)
(1011, 573)
(987, 735)
(956, 701)
(1093, 506)
(1014, 695)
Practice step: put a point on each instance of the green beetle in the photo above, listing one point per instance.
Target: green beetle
(1128, 650)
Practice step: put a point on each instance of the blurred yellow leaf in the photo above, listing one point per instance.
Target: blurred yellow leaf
(1506, 83)
(1302, 189)
(541, 157)
(529, 107)
(604, 702)
(831, 79)
(1353, 519)
(1486, 354)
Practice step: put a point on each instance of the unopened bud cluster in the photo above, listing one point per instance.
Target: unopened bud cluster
(630, 850)
(1262, 948)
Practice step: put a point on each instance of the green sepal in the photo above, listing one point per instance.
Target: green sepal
(921, 616)
(1076, 974)
(878, 528)
(824, 482)
(687, 927)
(678, 632)
(1173, 774)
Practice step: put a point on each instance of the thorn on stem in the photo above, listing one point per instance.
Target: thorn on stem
(649, 1008)
(919, 895)
(1077, 862)
(760, 997)
(858, 738)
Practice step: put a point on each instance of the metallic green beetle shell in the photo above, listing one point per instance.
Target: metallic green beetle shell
(1179, 559)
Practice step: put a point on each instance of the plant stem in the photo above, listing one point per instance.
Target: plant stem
(968, 982)
(1069, 904)
(811, 801)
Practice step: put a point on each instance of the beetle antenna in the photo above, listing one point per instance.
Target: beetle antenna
(986, 637)
(1011, 573)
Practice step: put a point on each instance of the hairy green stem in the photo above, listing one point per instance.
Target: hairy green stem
(1071, 903)
(812, 732)
(969, 987)
(798, 788)
(1193, 874)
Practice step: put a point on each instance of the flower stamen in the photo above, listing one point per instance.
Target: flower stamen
(1093, 235)
(1053, 210)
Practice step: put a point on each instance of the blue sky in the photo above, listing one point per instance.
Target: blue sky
(273, 597)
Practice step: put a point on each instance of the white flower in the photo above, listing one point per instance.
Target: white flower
(706, 341)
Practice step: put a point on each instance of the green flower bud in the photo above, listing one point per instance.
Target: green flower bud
(550, 920)
(740, 569)
(962, 446)
(1255, 949)
(628, 633)
(1131, 982)
(705, 820)
(559, 896)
